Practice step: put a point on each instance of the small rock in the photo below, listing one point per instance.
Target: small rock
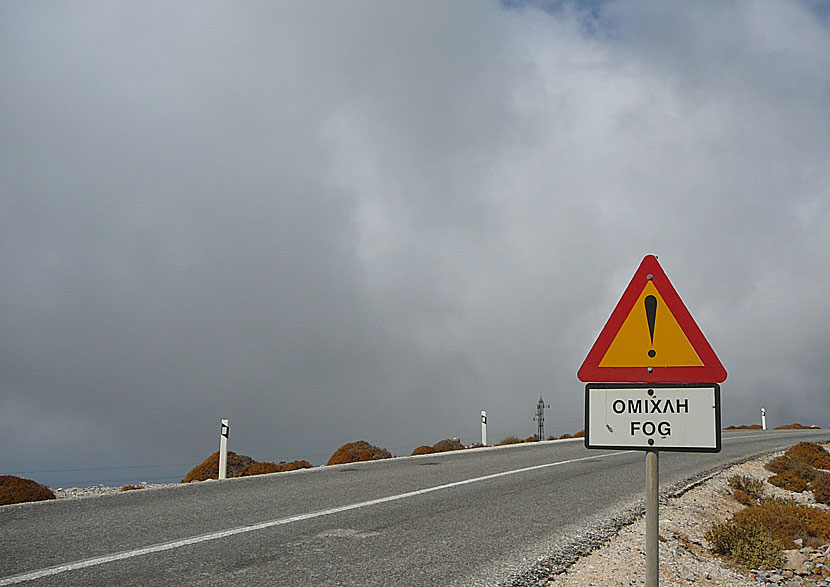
(795, 559)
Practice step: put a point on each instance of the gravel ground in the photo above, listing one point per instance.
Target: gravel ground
(685, 558)
(98, 490)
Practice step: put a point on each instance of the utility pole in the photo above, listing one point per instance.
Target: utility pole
(540, 418)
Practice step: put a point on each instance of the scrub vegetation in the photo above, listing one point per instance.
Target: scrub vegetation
(19, 490)
(356, 452)
(756, 536)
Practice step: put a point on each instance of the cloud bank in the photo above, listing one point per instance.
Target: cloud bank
(334, 221)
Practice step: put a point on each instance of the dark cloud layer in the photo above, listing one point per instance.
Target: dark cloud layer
(335, 221)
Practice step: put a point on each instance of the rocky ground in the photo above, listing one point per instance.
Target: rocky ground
(685, 557)
(97, 490)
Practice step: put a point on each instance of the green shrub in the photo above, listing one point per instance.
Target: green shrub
(747, 543)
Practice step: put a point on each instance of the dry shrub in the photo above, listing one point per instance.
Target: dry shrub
(423, 450)
(811, 454)
(580, 434)
(295, 466)
(747, 490)
(510, 440)
(744, 427)
(261, 469)
(821, 488)
(355, 452)
(796, 426)
(531, 439)
(131, 487)
(19, 490)
(785, 463)
(789, 480)
(447, 445)
(209, 468)
(566, 435)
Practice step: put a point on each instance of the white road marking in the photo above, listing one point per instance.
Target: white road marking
(102, 560)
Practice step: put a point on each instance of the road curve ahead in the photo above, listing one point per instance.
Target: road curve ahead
(476, 517)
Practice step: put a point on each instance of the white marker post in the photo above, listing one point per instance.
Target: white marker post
(223, 450)
(483, 428)
(763, 419)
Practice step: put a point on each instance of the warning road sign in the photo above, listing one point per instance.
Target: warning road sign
(651, 337)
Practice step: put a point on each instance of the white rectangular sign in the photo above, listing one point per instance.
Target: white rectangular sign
(668, 416)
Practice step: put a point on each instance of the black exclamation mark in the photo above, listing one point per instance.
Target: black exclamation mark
(651, 316)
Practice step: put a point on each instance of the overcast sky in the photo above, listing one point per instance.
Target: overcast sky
(332, 221)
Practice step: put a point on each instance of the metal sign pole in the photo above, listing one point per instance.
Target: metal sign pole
(652, 519)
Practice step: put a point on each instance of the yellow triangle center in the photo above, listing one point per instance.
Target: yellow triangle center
(631, 346)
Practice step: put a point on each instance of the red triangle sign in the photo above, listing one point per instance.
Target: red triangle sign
(651, 337)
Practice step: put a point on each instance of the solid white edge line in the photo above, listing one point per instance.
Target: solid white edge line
(101, 560)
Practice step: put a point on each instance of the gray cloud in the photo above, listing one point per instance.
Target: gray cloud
(338, 221)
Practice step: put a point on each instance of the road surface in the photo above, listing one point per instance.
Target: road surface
(478, 517)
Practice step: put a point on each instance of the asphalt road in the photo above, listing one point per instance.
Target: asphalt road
(468, 518)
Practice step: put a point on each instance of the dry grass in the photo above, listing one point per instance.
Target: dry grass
(744, 427)
(131, 487)
(355, 452)
(209, 468)
(580, 434)
(19, 490)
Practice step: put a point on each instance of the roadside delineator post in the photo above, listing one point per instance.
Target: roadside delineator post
(223, 450)
(483, 428)
(763, 419)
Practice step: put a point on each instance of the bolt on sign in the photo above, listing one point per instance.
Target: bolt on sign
(665, 393)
